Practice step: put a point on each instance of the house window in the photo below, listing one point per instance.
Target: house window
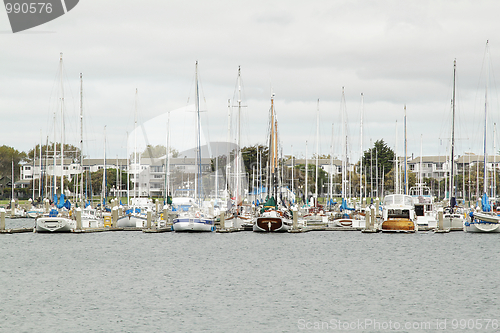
(27, 168)
(65, 168)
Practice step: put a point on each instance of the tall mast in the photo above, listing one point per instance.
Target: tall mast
(41, 168)
(81, 137)
(62, 127)
(104, 180)
(361, 154)
(167, 176)
(198, 139)
(273, 151)
(485, 176)
(136, 167)
(452, 155)
(238, 153)
(317, 157)
(494, 191)
(344, 146)
(406, 158)
(293, 191)
(396, 176)
(307, 174)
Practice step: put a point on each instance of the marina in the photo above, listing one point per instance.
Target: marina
(103, 284)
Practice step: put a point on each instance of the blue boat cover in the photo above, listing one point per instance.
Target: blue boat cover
(485, 203)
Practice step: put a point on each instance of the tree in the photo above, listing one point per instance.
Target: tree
(70, 151)
(157, 151)
(7, 155)
(380, 156)
(250, 156)
(95, 181)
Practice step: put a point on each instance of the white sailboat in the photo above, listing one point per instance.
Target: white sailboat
(241, 214)
(135, 216)
(274, 217)
(57, 221)
(194, 219)
(453, 216)
(484, 220)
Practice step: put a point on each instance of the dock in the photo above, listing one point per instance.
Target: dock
(16, 230)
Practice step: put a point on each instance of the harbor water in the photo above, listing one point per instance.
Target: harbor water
(248, 282)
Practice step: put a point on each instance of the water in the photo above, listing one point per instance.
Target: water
(247, 282)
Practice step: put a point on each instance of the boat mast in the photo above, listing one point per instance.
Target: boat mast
(228, 163)
(104, 180)
(307, 174)
(167, 177)
(452, 155)
(198, 139)
(136, 167)
(238, 135)
(81, 137)
(330, 187)
(344, 146)
(485, 177)
(397, 188)
(293, 190)
(406, 159)
(361, 155)
(62, 128)
(274, 149)
(494, 191)
(317, 157)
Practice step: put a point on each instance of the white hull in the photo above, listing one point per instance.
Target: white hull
(55, 224)
(482, 222)
(131, 221)
(193, 225)
(481, 227)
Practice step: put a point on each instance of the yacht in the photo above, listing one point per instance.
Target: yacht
(398, 214)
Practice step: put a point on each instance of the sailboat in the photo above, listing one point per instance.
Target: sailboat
(135, 215)
(274, 217)
(242, 214)
(484, 220)
(344, 217)
(453, 216)
(316, 212)
(58, 220)
(194, 219)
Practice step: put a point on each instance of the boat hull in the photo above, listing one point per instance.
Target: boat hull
(193, 225)
(131, 221)
(398, 225)
(271, 224)
(54, 224)
(483, 223)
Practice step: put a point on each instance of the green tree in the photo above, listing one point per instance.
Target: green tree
(250, 156)
(7, 155)
(70, 151)
(158, 151)
(381, 156)
(95, 180)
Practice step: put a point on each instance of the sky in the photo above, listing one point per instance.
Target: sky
(395, 53)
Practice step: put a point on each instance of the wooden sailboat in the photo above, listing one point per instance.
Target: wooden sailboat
(274, 217)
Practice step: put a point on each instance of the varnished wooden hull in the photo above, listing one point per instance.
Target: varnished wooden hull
(271, 224)
(398, 225)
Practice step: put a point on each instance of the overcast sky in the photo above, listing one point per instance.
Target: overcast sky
(394, 52)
